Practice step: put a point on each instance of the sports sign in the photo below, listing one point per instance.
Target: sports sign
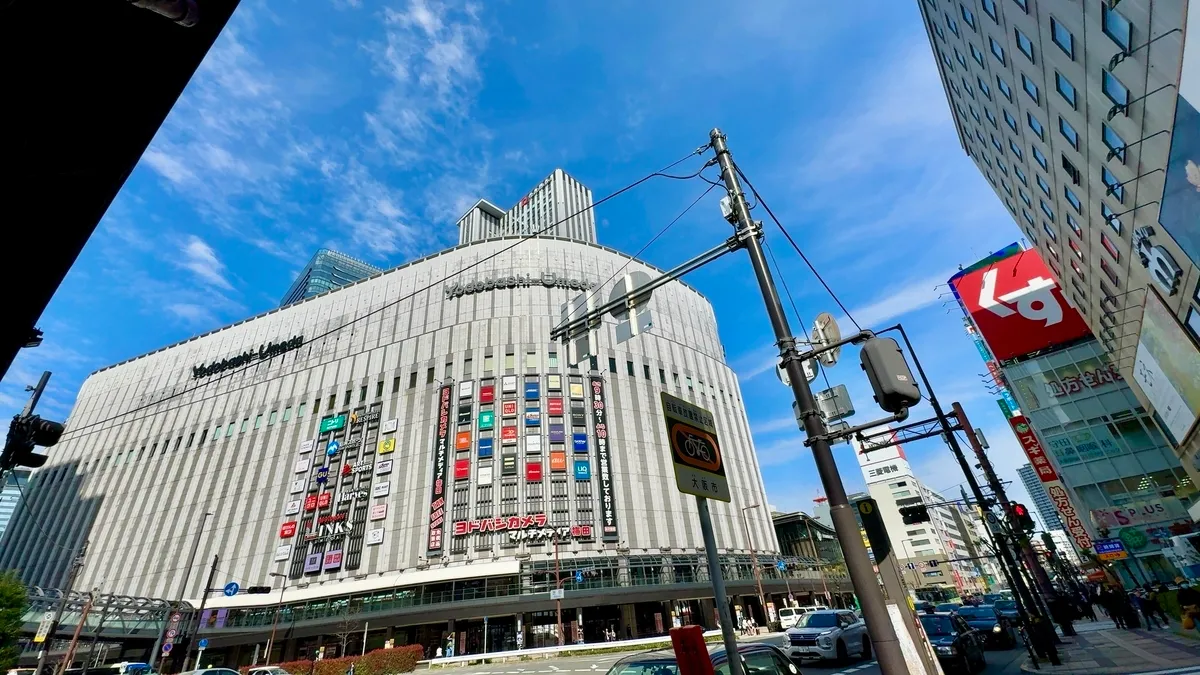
(1017, 306)
(695, 451)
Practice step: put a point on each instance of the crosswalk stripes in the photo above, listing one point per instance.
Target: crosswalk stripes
(861, 666)
(1186, 670)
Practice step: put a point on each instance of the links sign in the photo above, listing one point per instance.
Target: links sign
(695, 450)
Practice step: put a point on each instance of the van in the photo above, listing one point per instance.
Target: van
(788, 616)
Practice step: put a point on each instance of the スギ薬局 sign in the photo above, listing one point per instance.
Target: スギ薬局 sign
(1049, 477)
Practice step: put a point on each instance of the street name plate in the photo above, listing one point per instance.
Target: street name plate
(695, 449)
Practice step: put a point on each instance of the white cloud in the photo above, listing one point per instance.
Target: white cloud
(168, 166)
(774, 425)
(915, 294)
(192, 314)
(200, 259)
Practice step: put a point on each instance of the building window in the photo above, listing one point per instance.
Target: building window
(612, 365)
(1015, 150)
(272, 419)
(967, 16)
(976, 54)
(997, 51)
(257, 421)
(1064, 87)
(1075, 204)
(952, 25)
(1075, 248)
(629, 368)
(1025, 198)
(967, 86)
(662, 376)
(962, 60)
(996, 144)
(1113, 184)
(989, 8)
(1070, 170)
(1110, 217)
(552, 360)
(1068, 132)
(938, 29)
(510, 362)
(1000, 165)
(1110, 247)
(1078, 270)
(1004, 88)
(1071, 220)
(287, 413)
(1024, 43)
(984, 88)
(428, 377)
(946, 60)
(1030, 88)
(300, 410)
(1023, 4)
(1009, 120)
(1007, 188)
(531, 362)
(1043, 185)
(1116, 26)
(1040, 159)
(1114, 90)
(1020, 175)
(1046, 210)
(1035, 125)
(1062, 37)
(229, 431)
(1045, 226)
(991, 117)
(1113, 142)
(1108, 272)
(489, 365)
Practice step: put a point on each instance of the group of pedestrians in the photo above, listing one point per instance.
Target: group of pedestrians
(749, 626)
(1131, 609)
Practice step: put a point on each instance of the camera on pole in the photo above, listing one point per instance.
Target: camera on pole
(24, 433)
(893, 383)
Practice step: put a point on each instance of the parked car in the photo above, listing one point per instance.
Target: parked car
(1008, 610)
(948, 607)
(757, 659)
(789, 615)
(829, 634)
(958, 646)
(996, 628)
(267, 670)
(212, 671)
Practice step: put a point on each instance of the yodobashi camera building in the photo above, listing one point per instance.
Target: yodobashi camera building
(410, 452)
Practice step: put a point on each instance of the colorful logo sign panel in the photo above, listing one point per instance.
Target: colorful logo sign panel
(608, 497)
(441, 461)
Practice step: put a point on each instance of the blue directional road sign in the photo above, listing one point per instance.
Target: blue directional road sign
(332, 448)
(231, 589)
(781, 566)
(166, 648)
(578, 577)
(202, 643)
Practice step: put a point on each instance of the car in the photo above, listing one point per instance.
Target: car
(757, 659)
(212, 671)
(959, 647)
(997, 629)
(835, 634)
(1008, 610)
(947, 607)
(789, 615)
(267, 670)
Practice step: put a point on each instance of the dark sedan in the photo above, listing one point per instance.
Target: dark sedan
(997, 629)
(958, 646)
(757, 659)
(1008, 610)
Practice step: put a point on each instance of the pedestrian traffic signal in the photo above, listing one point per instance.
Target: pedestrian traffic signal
(24, 433)
(1023, 517)
(914, 514)
(891, 380)
(1049, 542)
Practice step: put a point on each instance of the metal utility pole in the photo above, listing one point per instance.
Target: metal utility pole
(36, 395)
(720, 599)
(762, 600)
(275, 620)
(195, 622)
(70, 655)
(862, 573)
(187, 573)
(76, 565)
(817, 556)
(558, 600)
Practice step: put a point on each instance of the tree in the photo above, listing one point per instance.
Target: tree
(345, 628)
(14, 600)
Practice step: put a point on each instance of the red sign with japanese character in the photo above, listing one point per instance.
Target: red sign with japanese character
(508, 408)
(464, 527)
(462, 469)
(554, 406)
(1050, 480)
(287, 530)
(310, 503)
(533, 471)
(487, 393)
(508, 434)
(324, 499)
(1033, 449)
(1017, 306)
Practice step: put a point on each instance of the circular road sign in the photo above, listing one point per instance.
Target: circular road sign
(202, 643)
(231, 589)
(176, 617)
(781, 565)
(629, 283)
(167, 648)
(172, 633)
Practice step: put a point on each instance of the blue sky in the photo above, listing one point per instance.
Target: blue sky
(369, 127)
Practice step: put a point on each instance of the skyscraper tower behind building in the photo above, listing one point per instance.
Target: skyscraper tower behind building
(559, 205)
(326, 271)
(1041, 500)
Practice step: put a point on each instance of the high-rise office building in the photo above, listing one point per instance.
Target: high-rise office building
(559, 206)
(1041, 501)
(10, 495)
(1082, 116)
(326, 271)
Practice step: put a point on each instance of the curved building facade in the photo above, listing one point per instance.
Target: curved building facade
(413, 445)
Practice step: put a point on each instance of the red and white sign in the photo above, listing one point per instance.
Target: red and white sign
(508, 435)
(533, 471)
(462, 441)
(1087, 379)
(1017, 306)
(310, 503)
(487, 393)
(464, 527)
(287, 530)
(324, 499)
(462, 469)
(378, 512)
(508, 408)
(554, 406)
(1050, 480)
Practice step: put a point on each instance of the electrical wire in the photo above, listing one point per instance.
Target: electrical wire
(796, 246)
(426, 287)
(795, 310)
(38, 523)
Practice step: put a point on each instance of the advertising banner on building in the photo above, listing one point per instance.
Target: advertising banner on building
(608, 497)
(1167, 367)
(1051, 481)
(1017, 306)
(1180, 211)
(441, 461)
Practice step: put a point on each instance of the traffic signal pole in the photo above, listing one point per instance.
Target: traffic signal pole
(195, 622)
(862, 573)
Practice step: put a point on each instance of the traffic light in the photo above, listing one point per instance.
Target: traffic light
(1049, 542)
(24, 433)
(892, 381)
(258, 589)
(1024, 519)
(914, 514)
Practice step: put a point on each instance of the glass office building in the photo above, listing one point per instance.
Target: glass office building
(1126, 480)
(326, 271)
(10, 495)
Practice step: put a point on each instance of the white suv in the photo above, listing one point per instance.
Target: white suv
(829, 634)
(788, 616)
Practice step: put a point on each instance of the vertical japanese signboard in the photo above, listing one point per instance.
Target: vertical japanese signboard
(437, 497)
(1050, 480)
(608, 497)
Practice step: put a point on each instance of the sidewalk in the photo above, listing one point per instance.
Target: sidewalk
(1101, 648)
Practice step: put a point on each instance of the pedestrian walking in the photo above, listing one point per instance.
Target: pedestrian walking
(1189, 603)
(1143, 606)
(1154, 602)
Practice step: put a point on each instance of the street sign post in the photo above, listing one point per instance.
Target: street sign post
(557, 594)
(700, 471)
(1110, 549)
(44, 627)
(695, 450)
(781, 566)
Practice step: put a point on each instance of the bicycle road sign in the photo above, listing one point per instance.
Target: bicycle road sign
(695, 449)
